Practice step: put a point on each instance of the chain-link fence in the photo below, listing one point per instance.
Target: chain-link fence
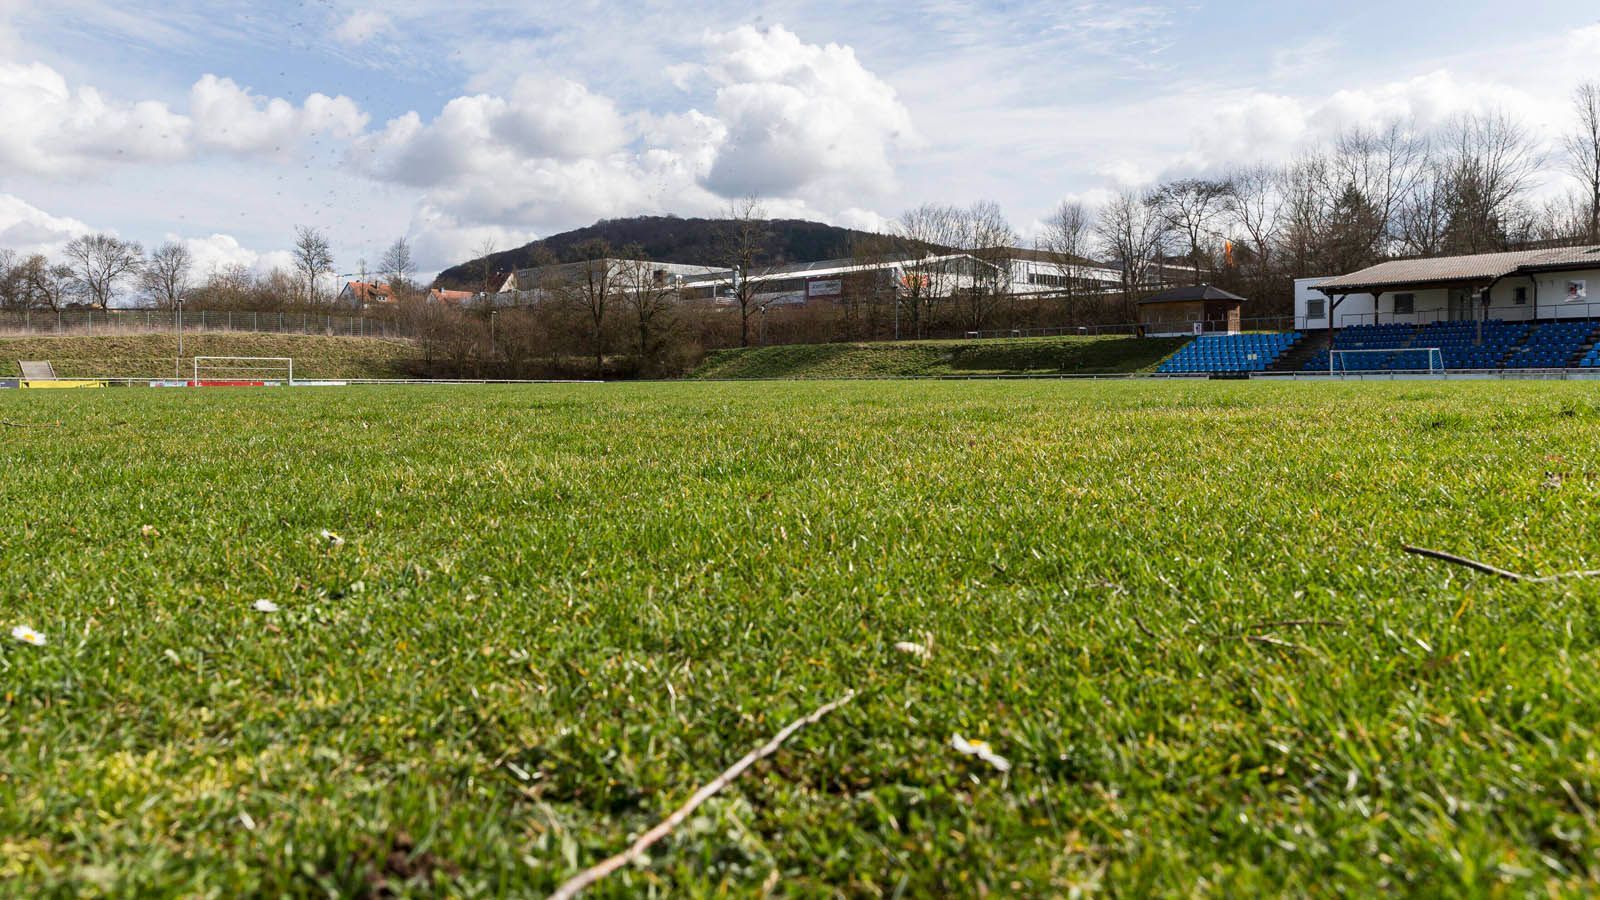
(124, 321)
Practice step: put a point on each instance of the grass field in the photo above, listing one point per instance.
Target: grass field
(1053, 355)
(144, 355)
(1181, 610)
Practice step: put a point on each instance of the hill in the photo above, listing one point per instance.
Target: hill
(1035, 356)
(151, 355)
(664, 239)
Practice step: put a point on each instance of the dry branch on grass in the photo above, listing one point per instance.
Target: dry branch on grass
(578, 883)
(1496, 571)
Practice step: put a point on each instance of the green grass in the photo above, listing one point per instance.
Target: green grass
(617, 590)
(152, 355)
(1018, 356)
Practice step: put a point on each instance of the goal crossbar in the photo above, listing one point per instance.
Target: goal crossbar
(1338, 360)
(243, 369)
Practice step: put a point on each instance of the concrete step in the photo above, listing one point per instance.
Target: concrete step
(37, 370)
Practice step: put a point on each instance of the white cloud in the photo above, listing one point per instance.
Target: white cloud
(27, 229)
(800, 116)
(47, 127)
(363, 25)
(229, 117)
(542, 127)
(806, 127)
(223, 251)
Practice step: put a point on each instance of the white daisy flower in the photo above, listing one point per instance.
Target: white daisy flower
(28, 636)
(332, 539)
(911, 648)
(981, 750)
(266, 606)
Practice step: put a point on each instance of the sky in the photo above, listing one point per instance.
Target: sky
(226, 124)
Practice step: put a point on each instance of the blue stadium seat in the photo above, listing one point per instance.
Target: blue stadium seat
(1229, 353)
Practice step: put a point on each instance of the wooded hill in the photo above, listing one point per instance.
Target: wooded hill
(664, 239)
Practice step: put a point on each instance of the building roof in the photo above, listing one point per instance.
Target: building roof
(1192, 294)
(439, 295)
(370, 291)
(1479, 268)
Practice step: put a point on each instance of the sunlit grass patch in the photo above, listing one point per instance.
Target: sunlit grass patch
(470, 640)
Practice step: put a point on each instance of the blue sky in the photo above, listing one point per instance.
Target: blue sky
(225, 124)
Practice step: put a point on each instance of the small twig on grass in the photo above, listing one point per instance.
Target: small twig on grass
(1144, 628)
(10, 424)
(587, 877)
(1302, 623)
(1496, 571)
(1271, 641)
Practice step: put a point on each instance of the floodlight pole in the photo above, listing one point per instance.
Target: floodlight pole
(177, 364)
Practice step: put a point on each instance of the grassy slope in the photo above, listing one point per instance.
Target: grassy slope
(151, 355)
(1180, 609)
(1086, 356)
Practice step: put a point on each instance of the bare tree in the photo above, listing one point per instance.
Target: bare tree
(101, 262)
(44, 285)
(1490, 165)
(313, 258)
(589, 289)
(925, 233)
(166, 276)
(1563, 220)
(1066, 237)
(646, 292)
(485, 256)
(11, 293)
(988, 238)
(1383, 166)
(1583, 153)
(1423, 220)
(1189, 207)
(1131, 233)
(398, 268)
(743, 247)
(1254, 210)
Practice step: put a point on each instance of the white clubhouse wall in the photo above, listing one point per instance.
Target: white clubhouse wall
(1433, 305)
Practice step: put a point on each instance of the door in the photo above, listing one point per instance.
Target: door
(1461, 305)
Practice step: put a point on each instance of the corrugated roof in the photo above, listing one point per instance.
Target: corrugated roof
(1446, 269)
(1192, 294)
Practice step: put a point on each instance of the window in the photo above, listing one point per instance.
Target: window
(1520, 296)
(1405, 304)
(1046, 279)
(1316, 308)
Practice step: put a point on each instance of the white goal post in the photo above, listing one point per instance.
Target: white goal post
(1419, 359)
(243, 370)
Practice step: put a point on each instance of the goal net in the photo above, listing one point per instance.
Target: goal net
(242, 371)
(1401, 359)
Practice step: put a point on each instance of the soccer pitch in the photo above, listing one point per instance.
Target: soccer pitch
(541, 617)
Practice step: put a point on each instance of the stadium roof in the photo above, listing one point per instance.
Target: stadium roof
(1443, 270)
(1192, 294)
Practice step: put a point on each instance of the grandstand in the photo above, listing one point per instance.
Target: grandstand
(1225, 353)
(1459, 346)
(1465, 346)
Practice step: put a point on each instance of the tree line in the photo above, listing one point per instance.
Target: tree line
(1370, 194)
(103, 271)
